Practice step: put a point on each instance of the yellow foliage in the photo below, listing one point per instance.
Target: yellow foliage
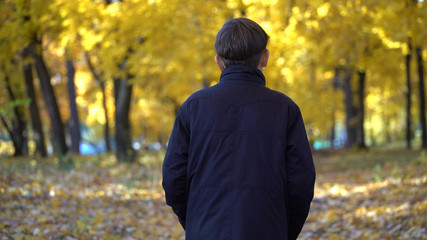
(166, 47)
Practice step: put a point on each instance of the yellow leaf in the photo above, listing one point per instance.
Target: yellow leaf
(56, 202)
(80, 225)
(98, 219)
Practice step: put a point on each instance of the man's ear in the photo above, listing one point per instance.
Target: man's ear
(219, 63)
(264, 58)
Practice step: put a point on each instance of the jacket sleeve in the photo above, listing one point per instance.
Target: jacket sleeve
(175, 168)
(300, 174)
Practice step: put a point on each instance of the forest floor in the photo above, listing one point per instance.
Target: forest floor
(359, 195)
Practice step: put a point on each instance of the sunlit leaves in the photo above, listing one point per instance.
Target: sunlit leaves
(383, 201)
(382, 197)
(98, 199)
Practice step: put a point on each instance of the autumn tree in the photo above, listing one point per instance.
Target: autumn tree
(12, 109)
(134, 63)
(73, 123)
(34, 21)
(418, 12)
(16, 126)
(98, 77)
(38, 134)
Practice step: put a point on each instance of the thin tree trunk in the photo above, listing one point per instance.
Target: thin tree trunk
(408, 97)
(8, 129)
(123, 95)
(18, 124)
(387, 129)
(74, 125)
(350, 110)
(335, 83)
(361, 93)
(420, 62)
(104, 102)
(58, 140)
(34, 109)
(107, 122)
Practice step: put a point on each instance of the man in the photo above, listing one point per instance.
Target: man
(238, 164)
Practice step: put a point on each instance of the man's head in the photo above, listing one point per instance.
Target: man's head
(241, 41)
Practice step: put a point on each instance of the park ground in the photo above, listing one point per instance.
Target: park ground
(373, 194)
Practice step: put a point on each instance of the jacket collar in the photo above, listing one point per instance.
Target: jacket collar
(242, 73)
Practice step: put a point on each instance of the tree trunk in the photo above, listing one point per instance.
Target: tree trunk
(408, 97)
(18, 129)
(104, 102)
(361, 92)
(335, 84)
(123, 95)
(107, 122)
(350, 110)
(58, 139)
(206, 82)
(420, 62)
(34, 109)
(8, 129)
(74, 125)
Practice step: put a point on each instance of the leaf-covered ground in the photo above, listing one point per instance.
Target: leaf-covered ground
(372, 195)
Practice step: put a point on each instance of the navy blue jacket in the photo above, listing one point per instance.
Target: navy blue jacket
(238, 163)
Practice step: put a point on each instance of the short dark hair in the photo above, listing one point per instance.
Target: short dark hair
(241, 41)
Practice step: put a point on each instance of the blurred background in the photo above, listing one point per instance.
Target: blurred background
(93, 76)
(89, 90)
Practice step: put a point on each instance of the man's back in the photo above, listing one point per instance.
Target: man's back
(248, 169)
